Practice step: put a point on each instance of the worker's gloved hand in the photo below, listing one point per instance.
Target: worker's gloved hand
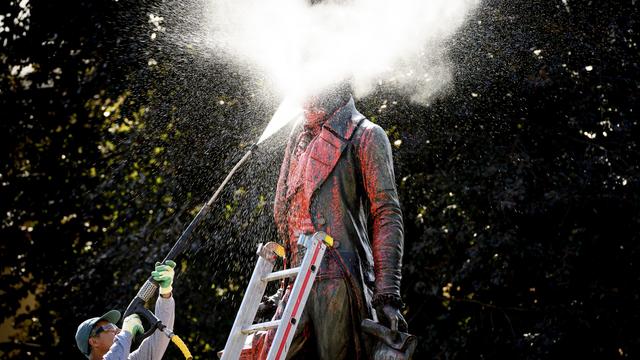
(163, 274)
(390, 316)
(133, 325)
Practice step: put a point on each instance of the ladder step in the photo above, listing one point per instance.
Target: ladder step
(277, 275)
(261, 326)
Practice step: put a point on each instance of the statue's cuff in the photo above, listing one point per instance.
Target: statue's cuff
(387, 299)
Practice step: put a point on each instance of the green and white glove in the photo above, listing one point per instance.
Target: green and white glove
(163, 274)
(133, 325)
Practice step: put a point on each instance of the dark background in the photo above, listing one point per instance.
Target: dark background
(519, 182)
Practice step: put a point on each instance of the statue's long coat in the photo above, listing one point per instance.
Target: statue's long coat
(350, 184)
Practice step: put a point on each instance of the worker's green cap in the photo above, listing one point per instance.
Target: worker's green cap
(84, 329)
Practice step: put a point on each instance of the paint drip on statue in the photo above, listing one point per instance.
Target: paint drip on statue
(318, 109)
(314, 118)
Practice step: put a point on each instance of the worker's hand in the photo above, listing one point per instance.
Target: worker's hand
(390, 316)
(163, 274)
(133, 325)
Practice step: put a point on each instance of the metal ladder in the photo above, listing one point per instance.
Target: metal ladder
(305, 274)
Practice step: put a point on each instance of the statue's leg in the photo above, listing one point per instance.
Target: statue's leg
(302, 340)
(331, 321)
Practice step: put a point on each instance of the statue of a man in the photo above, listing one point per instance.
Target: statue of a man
(337, 176)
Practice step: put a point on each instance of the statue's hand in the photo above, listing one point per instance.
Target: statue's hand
(390, 316)
(270, 303)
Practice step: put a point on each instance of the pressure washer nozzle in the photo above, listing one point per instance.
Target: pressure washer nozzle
(253, 147)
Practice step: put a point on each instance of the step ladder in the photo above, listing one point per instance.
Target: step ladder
(315, 246)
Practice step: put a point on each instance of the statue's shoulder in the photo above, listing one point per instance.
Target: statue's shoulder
(367, 128)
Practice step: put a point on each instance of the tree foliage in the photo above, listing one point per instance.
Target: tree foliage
(519, 183)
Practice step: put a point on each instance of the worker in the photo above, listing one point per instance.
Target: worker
(100, 338)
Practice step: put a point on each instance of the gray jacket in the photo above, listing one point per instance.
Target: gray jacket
(153, 347)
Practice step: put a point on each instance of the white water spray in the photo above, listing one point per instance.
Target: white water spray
(303, 48)
(287, 112)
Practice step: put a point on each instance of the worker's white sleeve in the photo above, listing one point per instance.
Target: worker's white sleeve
(153, 347)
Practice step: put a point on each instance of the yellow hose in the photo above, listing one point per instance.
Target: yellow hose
(181, 345)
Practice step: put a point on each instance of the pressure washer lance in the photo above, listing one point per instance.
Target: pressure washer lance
(150, 286)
